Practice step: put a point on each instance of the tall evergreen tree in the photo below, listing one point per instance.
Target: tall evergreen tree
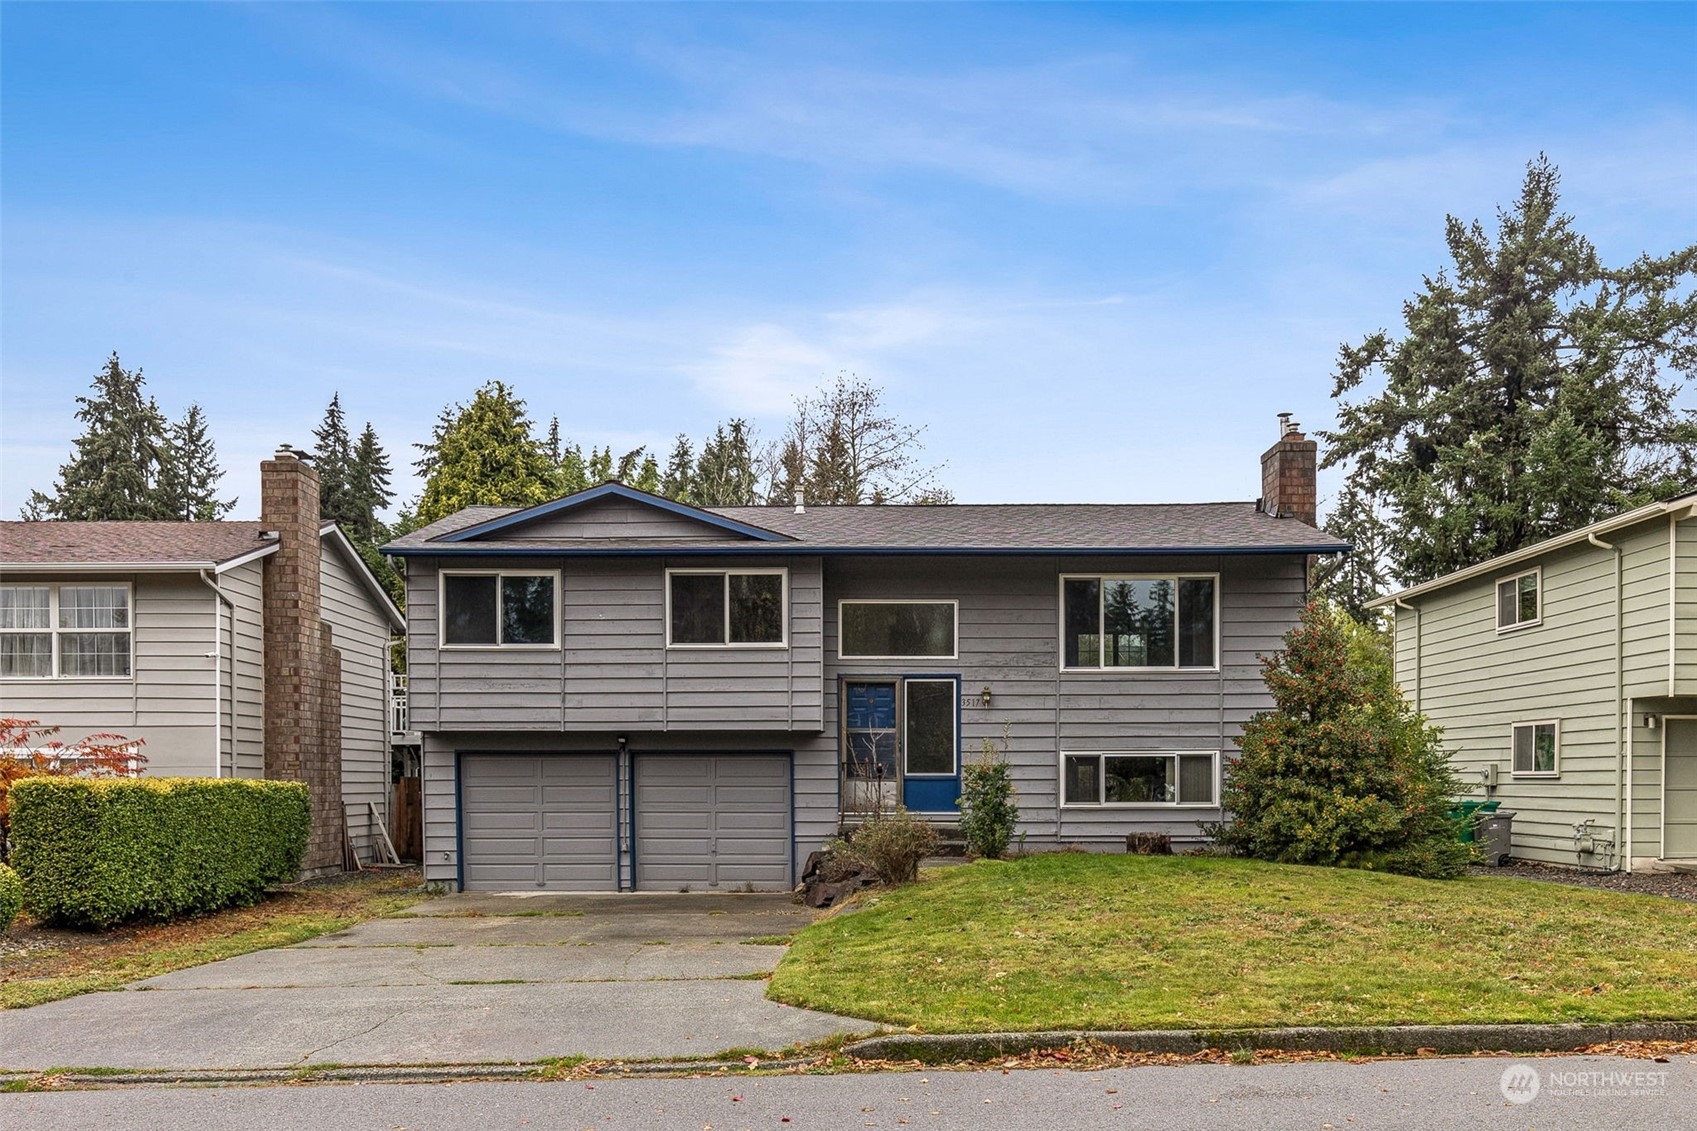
(369, 492)
(483, 453)
(678, 480)
(333, 456)
(1529, 395)
(728, 472)
(116, 464)
(188, 482)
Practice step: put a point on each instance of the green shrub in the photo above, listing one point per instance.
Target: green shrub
(893, 844)
(1342, 771)
(11, 896)
(988, 813)
(96, 853)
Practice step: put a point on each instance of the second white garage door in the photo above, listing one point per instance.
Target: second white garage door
(712, 822)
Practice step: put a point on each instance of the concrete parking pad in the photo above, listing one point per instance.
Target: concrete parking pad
(464, 979)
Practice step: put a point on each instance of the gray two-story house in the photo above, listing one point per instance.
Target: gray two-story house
(1564, 676)
(620, 692)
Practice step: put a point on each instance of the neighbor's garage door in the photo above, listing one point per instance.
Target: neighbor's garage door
(533, 822)
(714, 822)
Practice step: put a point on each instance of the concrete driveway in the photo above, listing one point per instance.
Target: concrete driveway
(465, 979)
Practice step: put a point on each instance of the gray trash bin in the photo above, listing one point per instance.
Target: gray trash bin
(1494, 836)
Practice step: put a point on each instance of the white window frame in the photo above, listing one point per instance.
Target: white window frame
(1497, 600)
(54, 630)
(442, 610)
(1102, 778)
(954, 606)
(727, 572)
(1101, 614)
(1555, 772)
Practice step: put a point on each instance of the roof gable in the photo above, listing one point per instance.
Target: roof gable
(613, 511)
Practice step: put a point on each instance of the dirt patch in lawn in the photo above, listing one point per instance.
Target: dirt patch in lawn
(40, 964)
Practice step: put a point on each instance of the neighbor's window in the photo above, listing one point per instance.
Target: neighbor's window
(888, 630)
(1138, 622)
(72, 631)
(1535, 749)
(1138, 779)
(493, 610)
(1518, 601)
(726, 607)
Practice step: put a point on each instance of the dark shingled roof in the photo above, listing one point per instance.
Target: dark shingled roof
(126, 543)
(956, 528)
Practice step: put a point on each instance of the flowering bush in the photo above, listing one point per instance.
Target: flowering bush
(29, 750)
(1342, 771)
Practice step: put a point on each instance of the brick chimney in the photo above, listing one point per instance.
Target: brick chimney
(1289, 485)
(303, 671)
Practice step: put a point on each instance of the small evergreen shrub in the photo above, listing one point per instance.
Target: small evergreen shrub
(988, 812)
(893, 844)
(98, 853)
(11, 896)
(1342, 771)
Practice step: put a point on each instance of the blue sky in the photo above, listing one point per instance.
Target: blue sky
(1094, 249)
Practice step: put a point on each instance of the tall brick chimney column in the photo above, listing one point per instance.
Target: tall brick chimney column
(303, 672)
(1290, 475)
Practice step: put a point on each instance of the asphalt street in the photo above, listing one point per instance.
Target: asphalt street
(1424, 1095)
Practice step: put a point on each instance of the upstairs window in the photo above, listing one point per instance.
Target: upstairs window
(726, 608)
(1138, 622)
(500, 610)
(896, 630)
(1536, 750)
(1519, 600)
(70, 631)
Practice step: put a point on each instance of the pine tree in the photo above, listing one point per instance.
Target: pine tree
(728, 472)
(368, 487)
(188, 486)
(116, 464)
(333, 457)
(1341, 771)
(1529, 396)
(483, 454)
(678, 481)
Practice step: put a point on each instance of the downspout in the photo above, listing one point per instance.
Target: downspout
(1673, 599)
(1620, 695)
(1418, 681)
(218, 678)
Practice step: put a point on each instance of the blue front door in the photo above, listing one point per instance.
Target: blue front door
(902, 739)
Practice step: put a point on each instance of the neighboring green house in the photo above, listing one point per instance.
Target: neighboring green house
(1564, 676)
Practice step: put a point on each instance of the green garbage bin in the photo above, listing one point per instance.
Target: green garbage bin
(1464, 814)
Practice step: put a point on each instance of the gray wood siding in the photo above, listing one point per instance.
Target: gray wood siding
(1476, 682)
(168, 702)
(360, 631)
(614, 669)
(245, 697)
(613, 518)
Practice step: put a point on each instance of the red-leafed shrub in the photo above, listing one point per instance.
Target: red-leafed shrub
(29, 750)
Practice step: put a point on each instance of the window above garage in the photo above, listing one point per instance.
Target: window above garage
(737, 608)
(500, 609)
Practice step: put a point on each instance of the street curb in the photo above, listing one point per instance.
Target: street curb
(540, 1072)
(1381, 1039)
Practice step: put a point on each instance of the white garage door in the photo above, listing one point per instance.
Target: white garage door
(712, 822)
(539, 822)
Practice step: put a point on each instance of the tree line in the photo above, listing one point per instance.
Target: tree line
(1533, 389)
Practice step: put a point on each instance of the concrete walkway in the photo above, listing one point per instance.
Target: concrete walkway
(469, 978)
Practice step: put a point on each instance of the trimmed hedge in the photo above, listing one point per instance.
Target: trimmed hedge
(11, 896)
(93, 853)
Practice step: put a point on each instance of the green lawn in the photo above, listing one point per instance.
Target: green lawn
(1128, 942)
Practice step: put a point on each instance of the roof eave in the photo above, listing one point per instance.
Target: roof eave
(434, 550)
(1686, 503)
(614, 490)
(372, 586)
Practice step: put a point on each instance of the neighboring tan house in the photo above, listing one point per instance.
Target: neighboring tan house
(1564, 676)
(620, 692)
(234, 649)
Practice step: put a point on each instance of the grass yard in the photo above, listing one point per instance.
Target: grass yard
(1069, 940)
(42, 964)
